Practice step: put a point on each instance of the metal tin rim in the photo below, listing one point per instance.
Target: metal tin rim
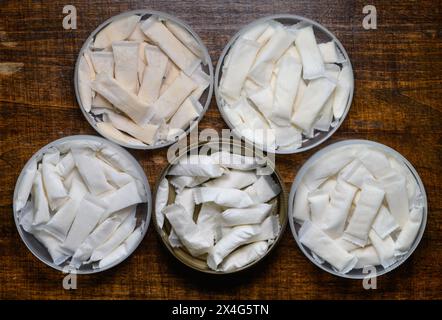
(250, 265)
(56, 143)
(332, 147)
(207, 60)
(226, 49)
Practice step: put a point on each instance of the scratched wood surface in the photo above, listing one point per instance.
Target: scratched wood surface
(397, 102)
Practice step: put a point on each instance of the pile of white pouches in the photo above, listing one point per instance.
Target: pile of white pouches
(358, 206)
(79, 201)
(279, 87)
(142, 80)
(224, 210)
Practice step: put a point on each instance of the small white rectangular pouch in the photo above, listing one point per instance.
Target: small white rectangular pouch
(181, 182)
(337, 211)
(25, 186)
(117, 237)
(121, 198)
(147, 133)
(409, 232)
(61, 221)
(326, 248)
(227, 197)
(330, 52)
(53, 184)
(40, 202)
(100, 234)
(251, 215)
(241, 59)
(91, 171)
(227, 244)
(116, 31)
(123, 250)
(235, 161)
(153, 74)
(185, 37)
(384, 247)
(196, 166)
(156, 31)
(367, 256)
(193, 237)
(287, 81)
(364, 214)
(318, 201)
(122, 99)
(384, 224)
(169, 101)
(312, 63)
(280, 41)
(86, 219)
(244, 256)
(126, 64)
(263, 190)
(396, 195)
(162, 196)
(342, 92)
(315, 96)
(236, 179)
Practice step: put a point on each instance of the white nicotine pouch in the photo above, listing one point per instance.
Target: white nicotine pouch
(315, 96)
(88, 215)
(84, 84)
(169, 102)
(162, 196)
(337, 211)
(227, 197)
(363, 216)
(384, 247)
(326, 248)
(227, 244)
(235, 161)
(191, 236)
(409, 232)
(153, 74)
(188, 112)
(396, 194)
(301, 211)
(241, 59)
(55, 190)
(25, 187)
(287, 82)
(366, 256)
(121, 233)
(126, 64)
(116, 31)
(122, 99)
(244, 256)
(236, 179)
(263, 190)
(312, 63)
(196, 166)
(342, 92)
(91, 171)
(185, 37)
(318, 201)
(41, 206)
(384, 224)
(261, 71)
(330, 52)
(251, 215)
(156, 31)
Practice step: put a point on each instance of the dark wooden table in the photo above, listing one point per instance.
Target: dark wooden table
(398, 102)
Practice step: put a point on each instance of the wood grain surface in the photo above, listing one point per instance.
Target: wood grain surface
(397, 101)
